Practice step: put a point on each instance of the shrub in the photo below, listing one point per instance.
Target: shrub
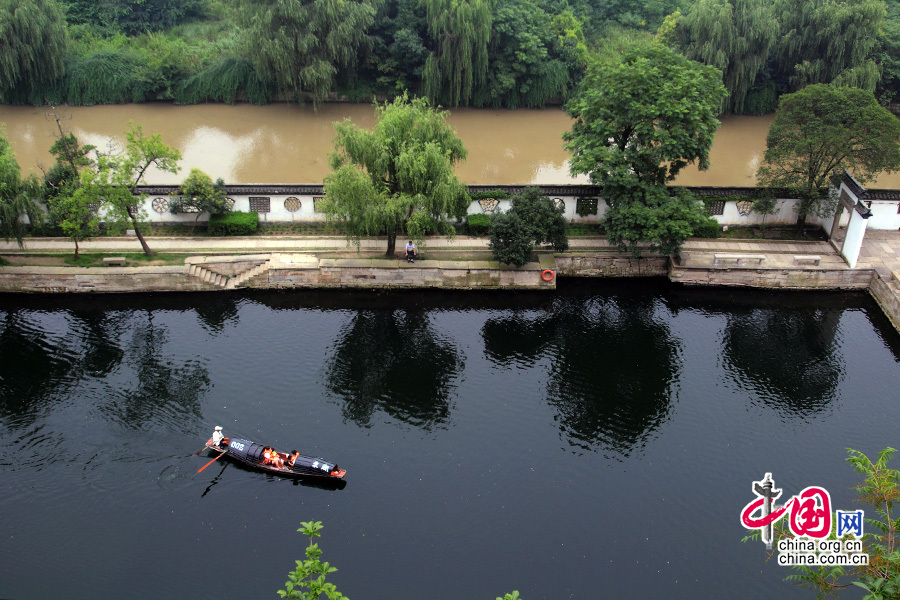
(708, 229)
(533, 219)
(478, 224)
(233, 223)
(498, 194)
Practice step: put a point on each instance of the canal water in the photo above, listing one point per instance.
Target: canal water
(289, 143)
(597, 442)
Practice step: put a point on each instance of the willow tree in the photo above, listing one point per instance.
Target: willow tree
(829, 41)
(398, 176)
(821, 129)
(32, 48)
(17, 195)
(304, 44)
(460, 31)
(735, 36)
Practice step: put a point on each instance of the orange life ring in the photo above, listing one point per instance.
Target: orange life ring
(547, 275)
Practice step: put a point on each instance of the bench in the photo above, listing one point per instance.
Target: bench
(810, 259)
(114, 261)
(738, 258)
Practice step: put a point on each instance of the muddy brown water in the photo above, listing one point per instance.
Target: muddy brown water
(289, 143)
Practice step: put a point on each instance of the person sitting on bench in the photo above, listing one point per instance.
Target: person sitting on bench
(411, 252)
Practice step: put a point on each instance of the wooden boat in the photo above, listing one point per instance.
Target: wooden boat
(251, 454)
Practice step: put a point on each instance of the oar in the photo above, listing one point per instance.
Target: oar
(201, 450)
(211, 462)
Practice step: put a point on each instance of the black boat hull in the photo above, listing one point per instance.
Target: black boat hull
(250, 453)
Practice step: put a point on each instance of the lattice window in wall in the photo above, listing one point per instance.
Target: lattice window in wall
(93, 206)
(229, 202)
(292, 204)
(716, 207)
(745, 207)
(316, 203)
(586, 206)
(489, 205)
(160, 205)
(260, 204)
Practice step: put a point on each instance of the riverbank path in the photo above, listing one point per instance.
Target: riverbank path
(880, 251)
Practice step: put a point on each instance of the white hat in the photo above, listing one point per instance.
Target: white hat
(218, 428)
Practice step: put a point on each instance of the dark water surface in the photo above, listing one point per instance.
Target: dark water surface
(598, 442)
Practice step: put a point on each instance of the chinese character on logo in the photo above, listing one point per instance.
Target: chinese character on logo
(811, 513)
(850, 521)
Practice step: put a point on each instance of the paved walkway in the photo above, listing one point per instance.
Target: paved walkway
(881, 249)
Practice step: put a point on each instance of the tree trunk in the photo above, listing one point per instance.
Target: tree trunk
(392, 243)
(140, 237)
(76, 248)
(801, 223)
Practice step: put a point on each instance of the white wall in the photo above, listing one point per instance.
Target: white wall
(884, 213)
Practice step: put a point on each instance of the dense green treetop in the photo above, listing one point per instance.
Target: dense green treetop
(529, 60)
(642, 120)
(821, 129)
(638, 122)
(398, 176)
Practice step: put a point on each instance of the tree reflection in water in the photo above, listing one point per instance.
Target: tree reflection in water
(44, 355)
(218, 310)
(159, 389)
(614, 365)
(394, 361)
(784, 356)
(113, 360)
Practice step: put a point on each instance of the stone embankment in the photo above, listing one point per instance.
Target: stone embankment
(463, 263)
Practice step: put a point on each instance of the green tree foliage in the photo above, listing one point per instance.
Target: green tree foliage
(533, 219)
(304, 44)
(887, 55)
(638, 122)
(199, 194)
(228, 80)
(71, 209)
(527, 64)
(32, 49)
(657, 217)
(829, 41)
(113, 180)
(17, 195)
(460, 31)
(307, 580)
(106, 77)
(644, 15)
(398, 176)
(398, 51)
(820, 130)
(736, 37)
(133, 16)
(75, 209)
